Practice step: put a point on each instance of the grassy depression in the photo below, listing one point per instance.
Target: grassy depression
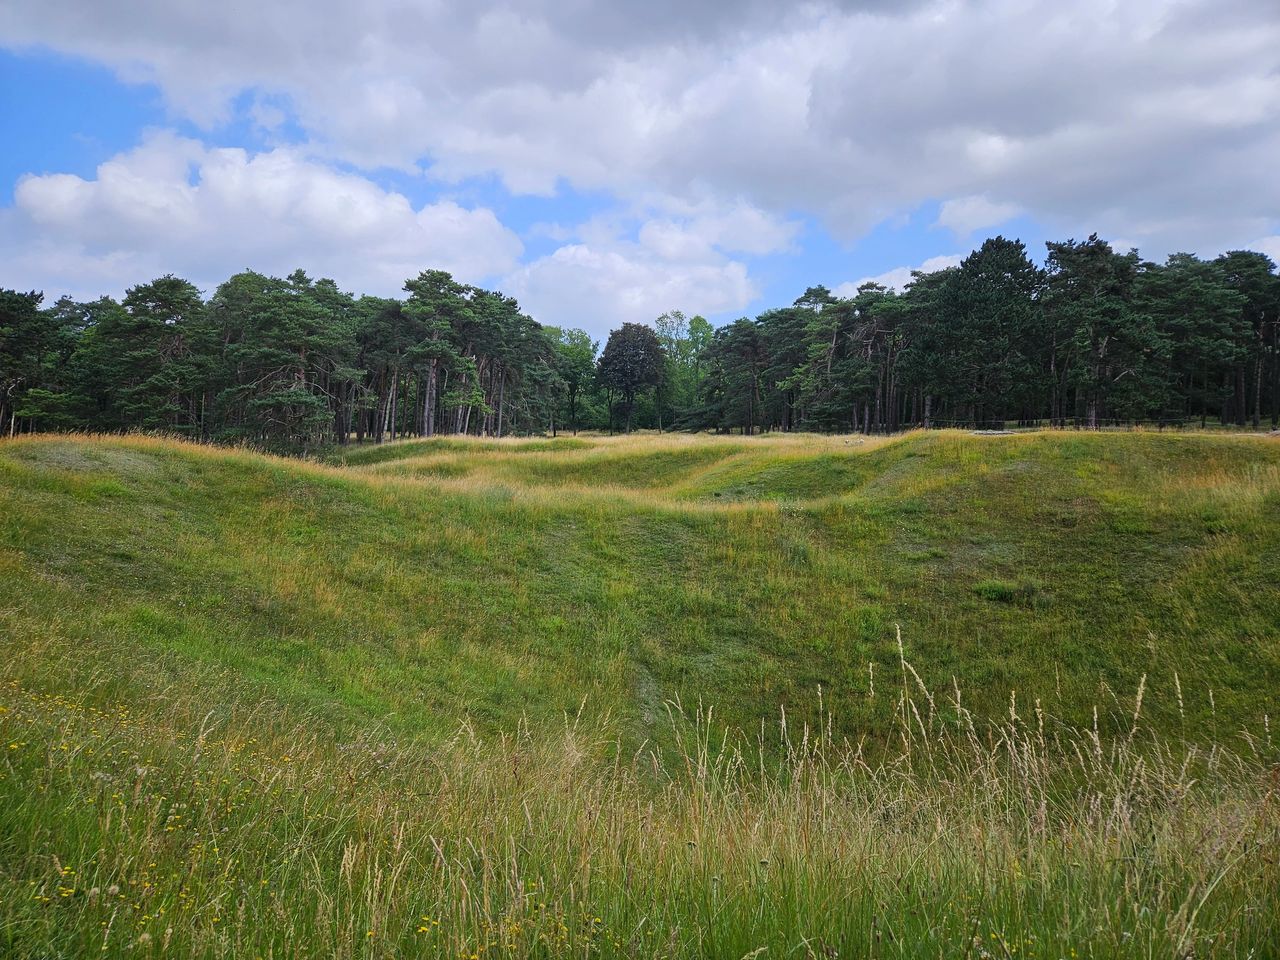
(1026, 683)
(501, 580)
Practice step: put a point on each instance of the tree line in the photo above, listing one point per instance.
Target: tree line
(1089, 337)
(289, 363)
(1092, 336)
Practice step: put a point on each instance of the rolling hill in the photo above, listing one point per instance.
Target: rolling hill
(652, 696)
(420, 582)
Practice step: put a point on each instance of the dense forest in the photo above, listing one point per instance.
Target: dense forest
(1093, 336)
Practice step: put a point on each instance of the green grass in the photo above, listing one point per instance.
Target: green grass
(176, 621)
(634, 571)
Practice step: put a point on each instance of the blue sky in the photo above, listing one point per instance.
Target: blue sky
(60, 114)
(616, 163)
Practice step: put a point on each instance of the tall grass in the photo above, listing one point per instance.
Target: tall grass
(232, 692)
(173, 827)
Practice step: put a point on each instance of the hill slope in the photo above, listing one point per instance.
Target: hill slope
(231, 689)
(427, 580)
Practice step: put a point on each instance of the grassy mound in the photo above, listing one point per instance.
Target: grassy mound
(500, 580)
(968, 696)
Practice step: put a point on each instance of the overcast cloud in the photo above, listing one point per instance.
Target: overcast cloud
(712, 126)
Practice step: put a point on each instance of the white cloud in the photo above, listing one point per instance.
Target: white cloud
(737, 228)
(1268, 245)
(267, 117)
(174, 205)
(963, 215)
(1151, 120)
(633, 265)
(599, 287)
(899, 277)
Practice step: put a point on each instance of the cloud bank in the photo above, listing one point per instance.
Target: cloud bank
(712, 126)
(174, 205)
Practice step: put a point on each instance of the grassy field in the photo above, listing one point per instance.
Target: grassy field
(934, 695)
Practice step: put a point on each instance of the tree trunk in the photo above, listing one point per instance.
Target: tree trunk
(1275, 373)
(502, 390)
(461, 412)
(393, 402)
(1240, 396)
(384, 402)
(429, 401)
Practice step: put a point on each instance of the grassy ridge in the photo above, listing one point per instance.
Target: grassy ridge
(501, 580)
(231, 689)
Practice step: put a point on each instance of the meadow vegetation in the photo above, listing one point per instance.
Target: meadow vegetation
(939, 695)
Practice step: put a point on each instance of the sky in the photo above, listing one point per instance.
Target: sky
(605, 162)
